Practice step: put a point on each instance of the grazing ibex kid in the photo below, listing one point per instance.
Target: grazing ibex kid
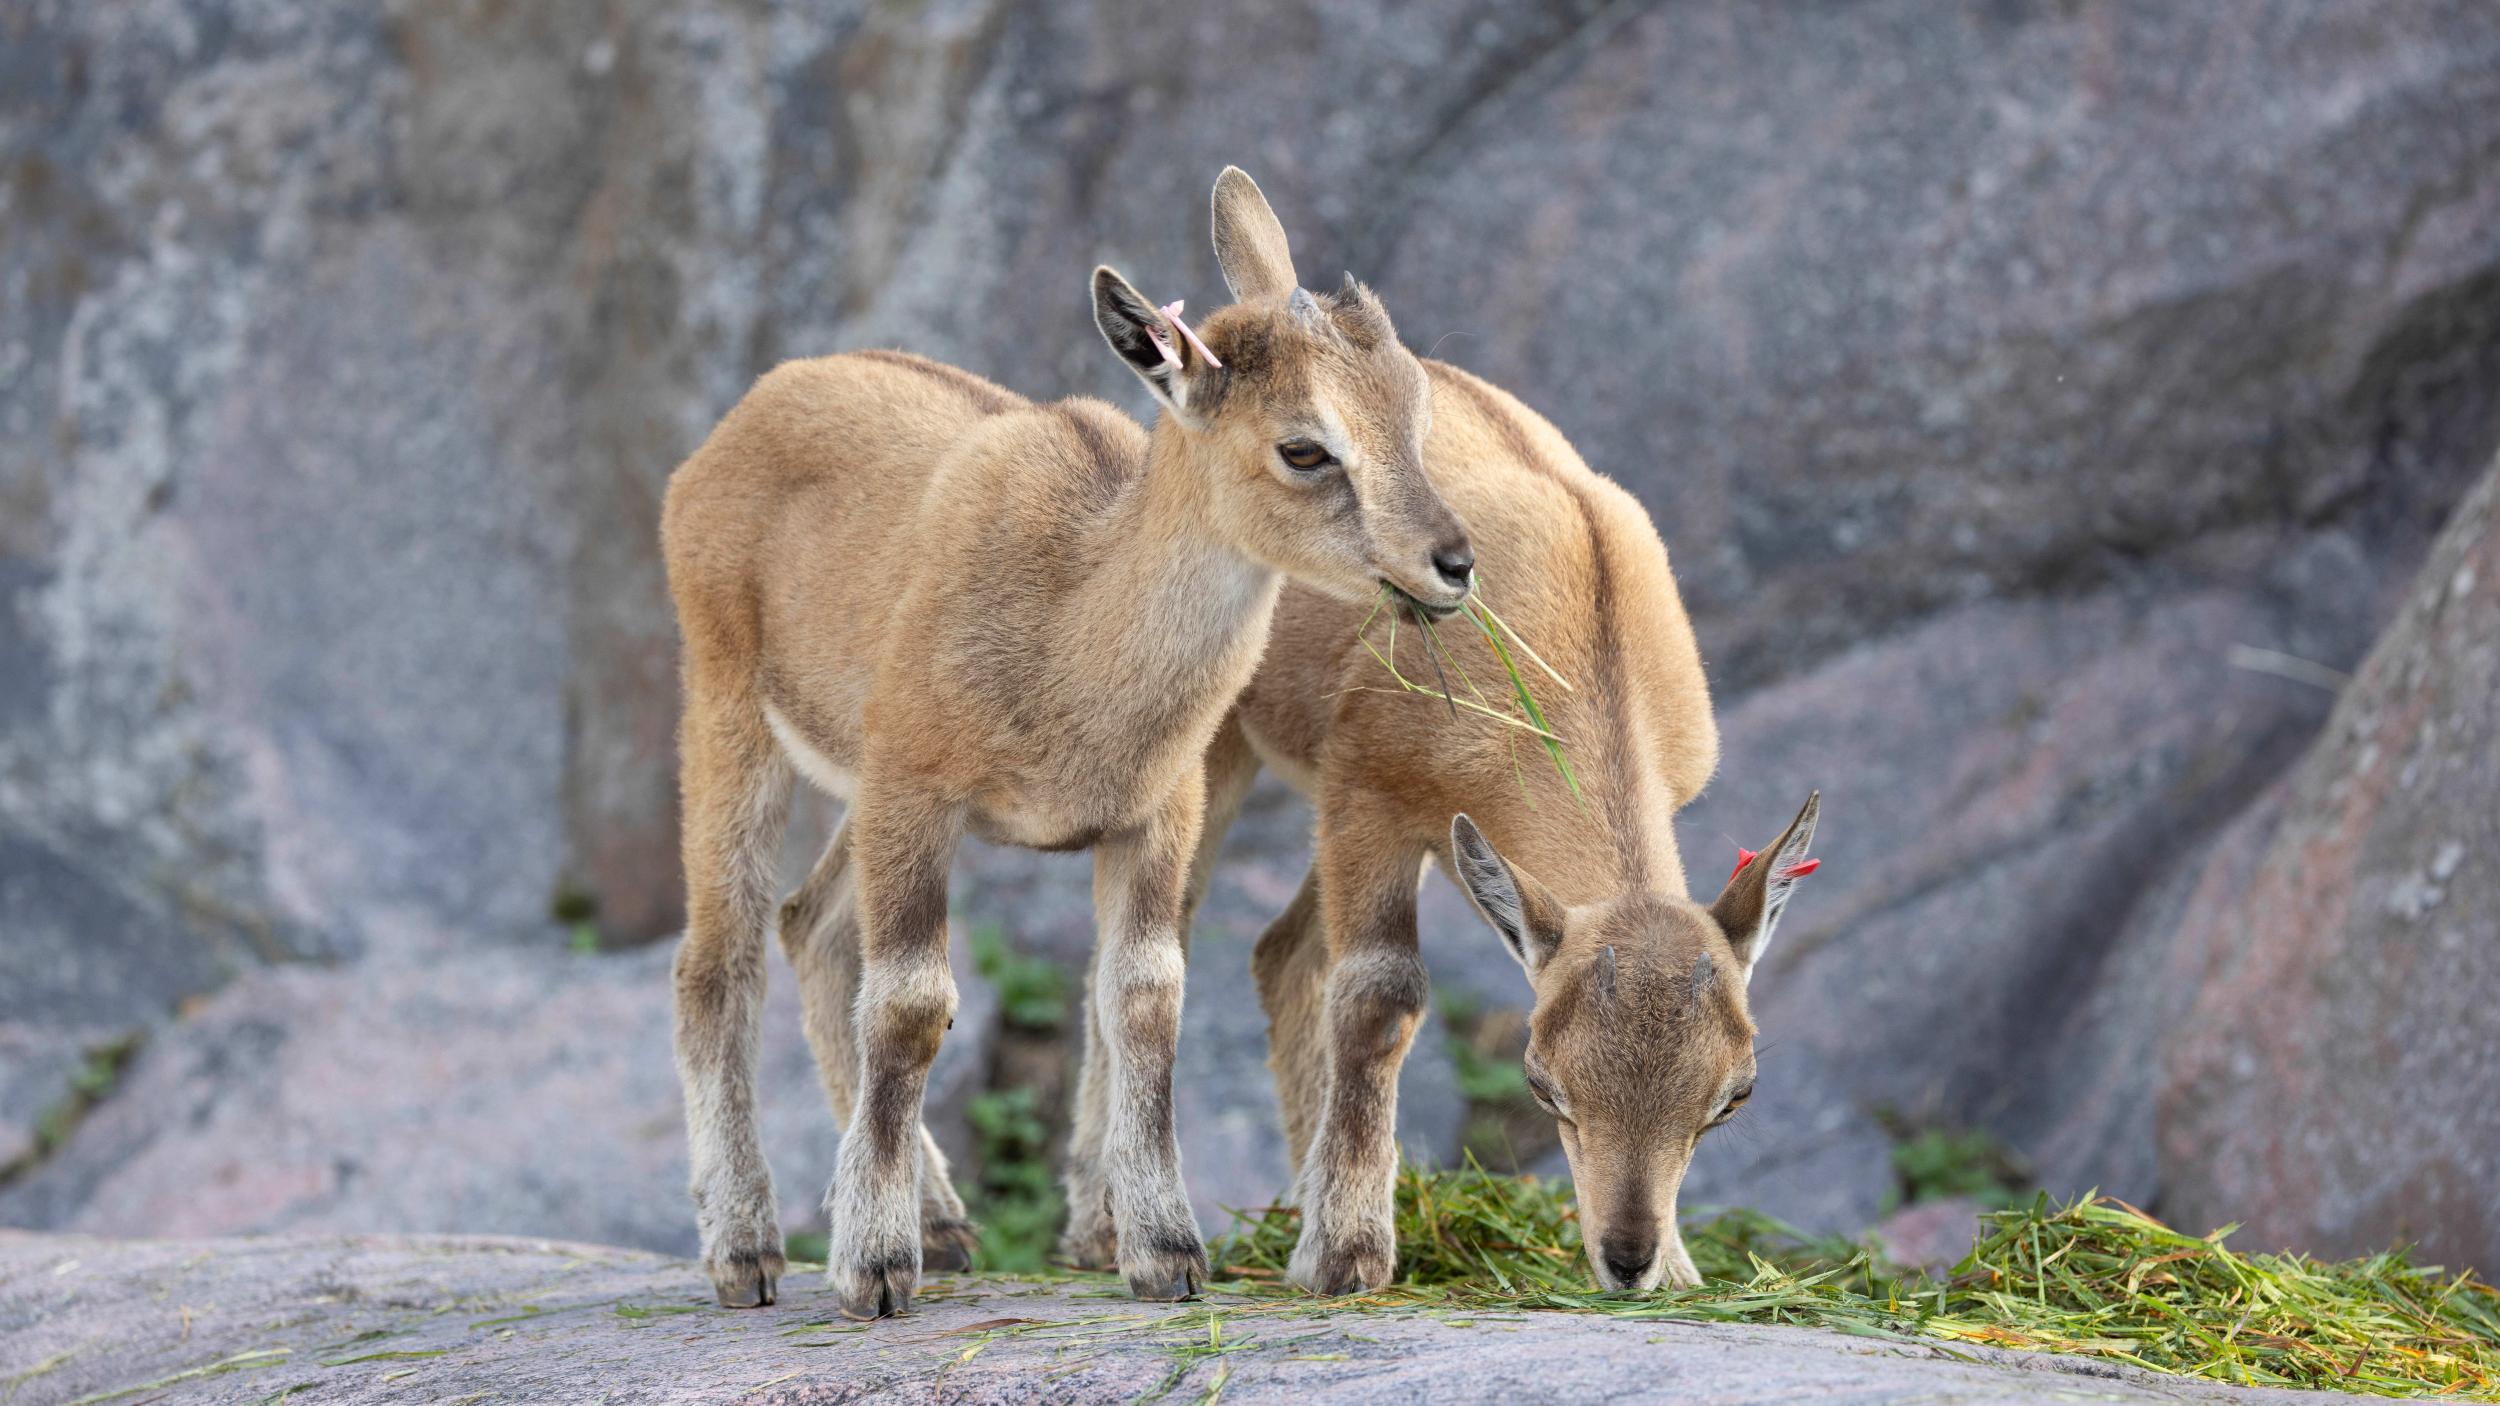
(1641, 1039)
(959, 610)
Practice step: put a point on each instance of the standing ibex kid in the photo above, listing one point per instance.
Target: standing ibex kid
(959, 610)
(1640, 1039)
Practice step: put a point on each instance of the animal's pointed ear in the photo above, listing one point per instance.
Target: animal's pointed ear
(1174, 364)
(1757, 893)
(1249, 242)
(1528, 918)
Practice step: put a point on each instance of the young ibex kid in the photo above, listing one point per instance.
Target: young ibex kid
(959, 610)
(1641, 1039)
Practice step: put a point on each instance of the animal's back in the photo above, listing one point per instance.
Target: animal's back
(791, 531)
(1572, 562)
(849, 439)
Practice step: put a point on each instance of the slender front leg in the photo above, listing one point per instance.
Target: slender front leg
(1290, 965)
(1231, 767)
(1090, 1242)
(1376, 992)
(902, 843)
(1140, 878)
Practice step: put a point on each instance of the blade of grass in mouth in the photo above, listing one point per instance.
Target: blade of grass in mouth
(1527, 700)
(1480, 610)
(1433, 651)
(1496, 631)
(1476, 598)
(1404, 684)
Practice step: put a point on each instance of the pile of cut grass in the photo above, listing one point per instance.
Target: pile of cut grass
(2095, 1276)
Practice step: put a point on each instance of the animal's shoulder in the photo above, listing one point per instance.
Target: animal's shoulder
(1098, 433)
(1063, 460)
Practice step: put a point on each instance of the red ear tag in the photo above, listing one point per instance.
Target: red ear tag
(1744, 857)
(1801, 868)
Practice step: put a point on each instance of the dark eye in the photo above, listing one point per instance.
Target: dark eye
(1304, 454)
(1735, 1101)
(1543, 1093)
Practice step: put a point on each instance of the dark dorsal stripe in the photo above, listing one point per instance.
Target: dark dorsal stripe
(1622, 805)
(1112, 465)
(990, 399)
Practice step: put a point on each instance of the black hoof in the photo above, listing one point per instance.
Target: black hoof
(946, 1246)
(876, 1290)
(1167, 1272)
(746, 1280)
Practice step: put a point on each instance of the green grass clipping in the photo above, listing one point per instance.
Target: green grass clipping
(2092, 1276)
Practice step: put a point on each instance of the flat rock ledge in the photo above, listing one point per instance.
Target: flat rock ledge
(472, 1319)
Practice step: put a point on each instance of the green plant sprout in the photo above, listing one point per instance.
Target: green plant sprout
(1032, 992)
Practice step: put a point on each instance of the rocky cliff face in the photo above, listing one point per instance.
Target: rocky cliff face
(2330, 1079)
(2024, 391)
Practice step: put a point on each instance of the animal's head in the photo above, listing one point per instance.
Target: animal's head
(1304, 411)
(1641, 1040)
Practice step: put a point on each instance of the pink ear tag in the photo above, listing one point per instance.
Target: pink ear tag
(1172, 310)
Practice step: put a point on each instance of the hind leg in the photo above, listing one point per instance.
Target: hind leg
(901, 838)
(820, 935)
(1090, 1241)
(1291, 967)
(737, 792)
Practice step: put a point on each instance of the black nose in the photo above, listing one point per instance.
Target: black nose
(1627, 1256)
(1456, 561)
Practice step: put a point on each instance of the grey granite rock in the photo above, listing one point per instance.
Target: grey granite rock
(83, 966)
(355, 345)
(513, 1092)
(2329, 1082)
(1933, 1235)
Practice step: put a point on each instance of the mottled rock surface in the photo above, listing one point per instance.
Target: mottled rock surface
(508, 1092)
(355, 1319)
(1962, 956)
(1933, 1235)
(82, 964)
(2331, 1079)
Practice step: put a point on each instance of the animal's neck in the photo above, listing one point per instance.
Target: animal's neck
(1170, 596)
(1621, 837)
